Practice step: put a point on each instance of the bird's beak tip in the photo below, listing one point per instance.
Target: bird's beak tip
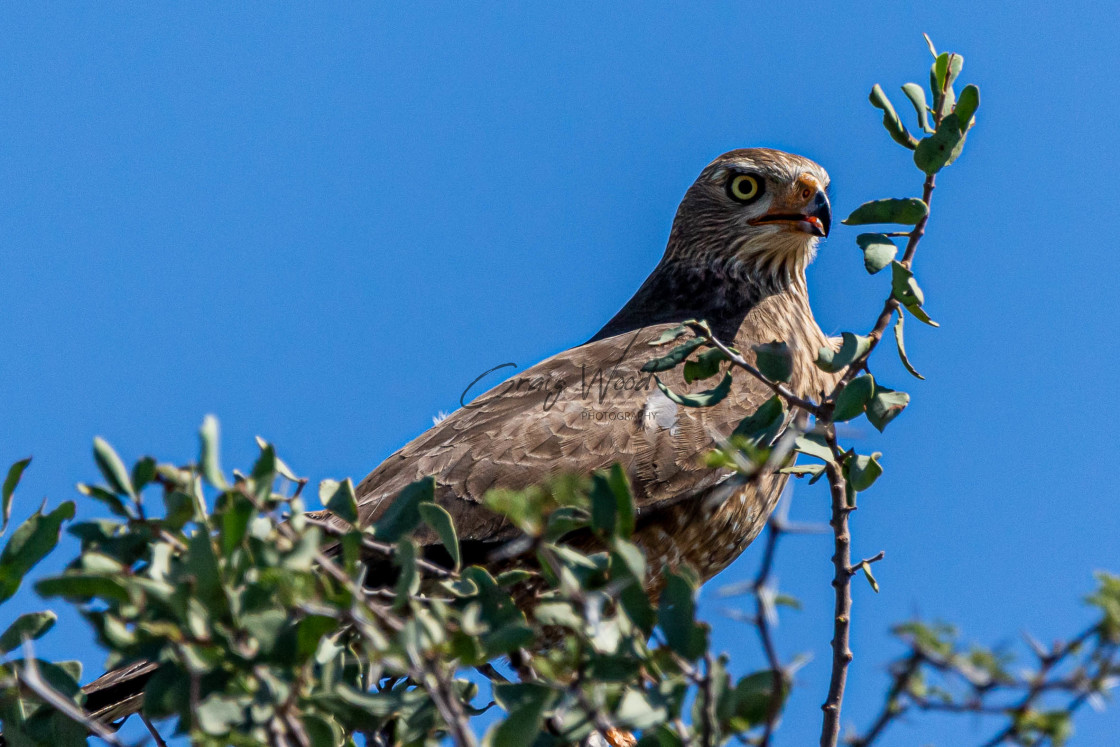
(821, 214)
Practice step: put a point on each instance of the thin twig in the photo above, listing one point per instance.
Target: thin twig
(152, 730)
(853, 570)
(1038, 685)
(384, 548)
(329, 567)
(449, 706)
(773, 534)
(1081, 685)
(708, 705)
(893, 708)
(778, 388)
(31, 678)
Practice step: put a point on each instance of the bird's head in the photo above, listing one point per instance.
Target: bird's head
(761, 209)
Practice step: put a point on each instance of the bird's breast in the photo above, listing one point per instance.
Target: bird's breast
(708, 534)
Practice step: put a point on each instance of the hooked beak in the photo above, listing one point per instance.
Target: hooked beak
(815, 218)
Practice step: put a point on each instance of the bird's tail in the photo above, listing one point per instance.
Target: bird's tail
(118, 694)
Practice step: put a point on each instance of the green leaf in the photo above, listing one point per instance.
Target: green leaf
(310, 632)
(944, 71)
(264, 469)
(321, 732)
(557, 613)
(891, 120)
(437, 517)
(403, 514)
(866, 568)
(706, 398)
(878, 250)
(774, 360)
(853, 397)
(31, 625)
(15, 472)
(112, 468)
(612, 508)
(967, 104)
(862, 470)
(637, 711)
(266, 627)
(180, 507)
(524, 508)
(763, 424)
(82, 586)
(513, 577)
(676, 616)
(907, 292)
(341, 501)
(408, 582)
(635, 603)
(524, 703)
(208, 436)
(920, 314)
(704, 366)
(217, 715)
(917, 96)
(785, 600)
(803, 469)
(814, 445)
(885, 406)
(942, 147)
(235, 521)
(929, 43)
(202, 563)
(669, 335)
(902, 347)
(906, 211)
(283, 469)
(946, 68)
(853, 346)
(111, 500)
(754, 698)
(904, 287)
(29, 544)
(627, 558)
(143, 472)
(674, 356)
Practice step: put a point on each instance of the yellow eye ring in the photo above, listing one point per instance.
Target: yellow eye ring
(744, 188)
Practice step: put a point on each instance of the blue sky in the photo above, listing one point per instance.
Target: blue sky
(321, 224)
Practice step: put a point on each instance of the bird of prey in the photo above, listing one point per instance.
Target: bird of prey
(736, 257)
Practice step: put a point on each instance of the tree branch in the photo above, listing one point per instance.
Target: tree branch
(842, 611)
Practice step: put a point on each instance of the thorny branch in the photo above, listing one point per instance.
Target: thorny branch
(842, 562)
(1082, 668)
(763, 610)
(842, 610)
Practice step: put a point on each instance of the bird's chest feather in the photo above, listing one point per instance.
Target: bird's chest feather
(710, 534)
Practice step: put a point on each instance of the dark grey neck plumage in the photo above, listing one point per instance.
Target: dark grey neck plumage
(680, 289)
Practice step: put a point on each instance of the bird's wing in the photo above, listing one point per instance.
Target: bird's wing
(576, 412)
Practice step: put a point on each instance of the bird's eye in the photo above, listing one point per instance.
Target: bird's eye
(744, 188)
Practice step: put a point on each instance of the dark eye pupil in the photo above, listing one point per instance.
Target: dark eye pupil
(744, 188)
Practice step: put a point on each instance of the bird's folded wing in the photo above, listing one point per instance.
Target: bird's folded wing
(576, 412)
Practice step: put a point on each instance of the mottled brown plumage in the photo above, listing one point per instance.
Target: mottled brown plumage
(740, 266)
(734, 258)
